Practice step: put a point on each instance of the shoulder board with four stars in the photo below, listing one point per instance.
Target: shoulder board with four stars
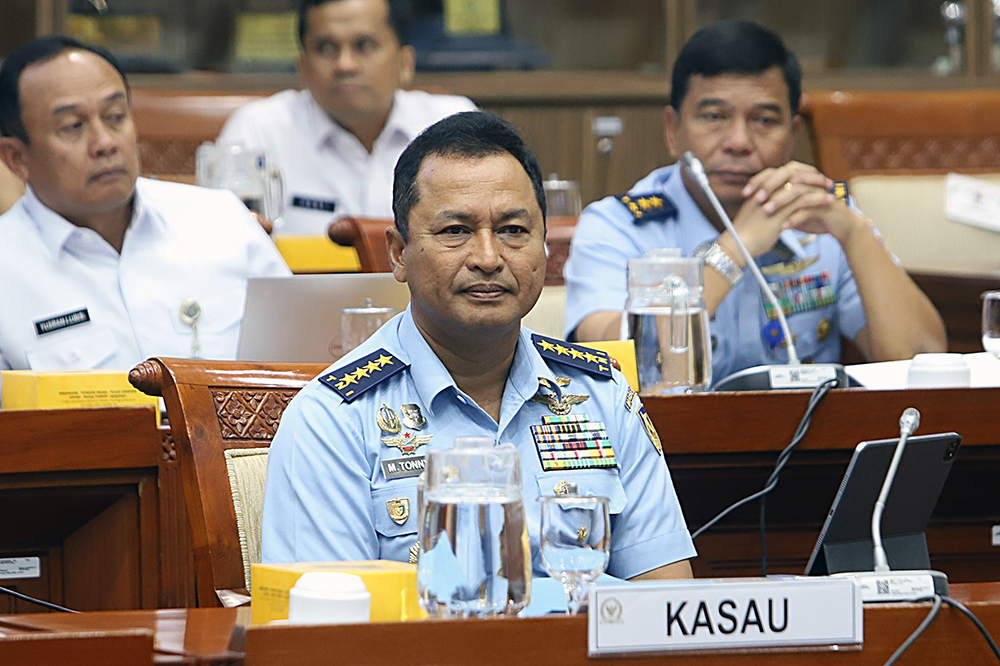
(648, 207)
(353, 379)
(590, 360)
(840, 190)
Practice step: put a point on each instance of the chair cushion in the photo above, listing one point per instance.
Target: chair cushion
(910, 213)
(247, 470)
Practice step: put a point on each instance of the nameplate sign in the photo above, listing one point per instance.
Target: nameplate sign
(801, 376)
(20, 567)
(724, 614)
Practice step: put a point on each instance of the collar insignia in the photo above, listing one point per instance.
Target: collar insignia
(648, 207)
(590, 360)
(350, 382)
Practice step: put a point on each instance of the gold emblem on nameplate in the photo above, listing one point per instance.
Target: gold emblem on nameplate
(789, 268)
(412, 418)
(399, 509)
(559, 407)
(581, 534)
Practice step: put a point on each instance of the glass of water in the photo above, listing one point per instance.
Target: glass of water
(575, 542)
(991, 322)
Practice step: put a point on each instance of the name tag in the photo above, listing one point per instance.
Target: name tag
(20, 567)
(724, 614)
(403, 468)
(62, 321)
(314, 204)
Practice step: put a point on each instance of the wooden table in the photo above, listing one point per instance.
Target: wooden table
(96, 495)
(722, 447)
(219, 636)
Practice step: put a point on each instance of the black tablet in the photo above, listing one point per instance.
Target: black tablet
(845, 544)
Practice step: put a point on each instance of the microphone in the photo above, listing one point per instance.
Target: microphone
(908, 423)
(791, 375)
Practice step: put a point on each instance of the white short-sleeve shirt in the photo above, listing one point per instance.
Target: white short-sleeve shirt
(327, 172)
(70, 301)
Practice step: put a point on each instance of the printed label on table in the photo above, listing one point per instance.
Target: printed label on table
(801, 376)
(724, 614)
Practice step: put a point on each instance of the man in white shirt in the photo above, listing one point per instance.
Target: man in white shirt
(337, 141)
(101, 269)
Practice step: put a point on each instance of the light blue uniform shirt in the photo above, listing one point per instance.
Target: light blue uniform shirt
(328, 497)
(607, 236)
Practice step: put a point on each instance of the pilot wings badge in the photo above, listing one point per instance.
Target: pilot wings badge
(559, 406)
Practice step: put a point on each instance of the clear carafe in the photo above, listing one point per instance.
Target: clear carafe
(666, 318)
(474, 555)
(231, 166)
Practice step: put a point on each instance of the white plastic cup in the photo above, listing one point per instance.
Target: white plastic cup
(938, 371)
(327, 597)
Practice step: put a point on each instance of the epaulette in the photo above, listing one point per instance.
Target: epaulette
(648, 207)
(589, 360)
(840, 190)
(354, 379)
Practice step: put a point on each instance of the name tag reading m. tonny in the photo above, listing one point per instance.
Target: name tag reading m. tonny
(722, 614)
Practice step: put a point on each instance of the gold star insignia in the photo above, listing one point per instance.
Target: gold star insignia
(562, 350)
(372, 366)
(590, 358)
(546, 345)
(575, 353)
(360, 372)
(346, 380)
(383, 360)
(645, 203)
(656, 201)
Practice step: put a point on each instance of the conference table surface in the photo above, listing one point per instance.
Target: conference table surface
(221, 636)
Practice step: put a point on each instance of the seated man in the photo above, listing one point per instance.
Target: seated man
(337, 141)
(101, 269)
(469, 242)
(734, 103)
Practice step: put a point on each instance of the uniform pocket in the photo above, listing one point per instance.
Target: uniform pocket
(591, 482)
(395, 509)
(84, 349)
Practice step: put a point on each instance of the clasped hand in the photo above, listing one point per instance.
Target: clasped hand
(793, 196)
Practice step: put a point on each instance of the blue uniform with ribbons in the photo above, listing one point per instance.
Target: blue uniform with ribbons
(343, 467)
(808, 272)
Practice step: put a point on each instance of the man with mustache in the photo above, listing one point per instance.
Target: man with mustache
(734, 103)
(100, 268)
(469, 241)
(337, 141)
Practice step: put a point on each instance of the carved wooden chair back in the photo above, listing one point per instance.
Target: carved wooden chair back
(905, 133)
(215, 407)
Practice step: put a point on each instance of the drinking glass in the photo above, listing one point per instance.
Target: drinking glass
(562, 197)
(575, 542)
(358, 324)
(991, 322)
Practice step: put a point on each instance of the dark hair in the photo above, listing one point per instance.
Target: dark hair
(36, 51)
(400, 16)
(734, 46)
(470, 134)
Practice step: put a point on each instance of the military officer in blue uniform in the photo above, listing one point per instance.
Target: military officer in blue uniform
(469, 242)
(734, 103)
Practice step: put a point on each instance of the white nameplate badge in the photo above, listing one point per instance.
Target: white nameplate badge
(722, 614)
(20, 567)
(972, 201)
(808, 375)
(995, 535)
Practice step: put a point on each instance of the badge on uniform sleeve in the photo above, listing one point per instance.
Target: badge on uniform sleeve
(647, 423)
(589, 360)
(399, 509)
(352, 380)
(629, 399)
(648, 207)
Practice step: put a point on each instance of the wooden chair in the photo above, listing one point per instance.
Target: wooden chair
(367, 236)
(171, 124)
(223, 416)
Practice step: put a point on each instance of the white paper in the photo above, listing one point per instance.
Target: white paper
(984, 371)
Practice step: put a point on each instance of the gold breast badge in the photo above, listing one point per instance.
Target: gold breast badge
(559, 406)
(406, 442)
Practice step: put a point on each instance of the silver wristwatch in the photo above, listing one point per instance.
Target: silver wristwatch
(716, 258)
